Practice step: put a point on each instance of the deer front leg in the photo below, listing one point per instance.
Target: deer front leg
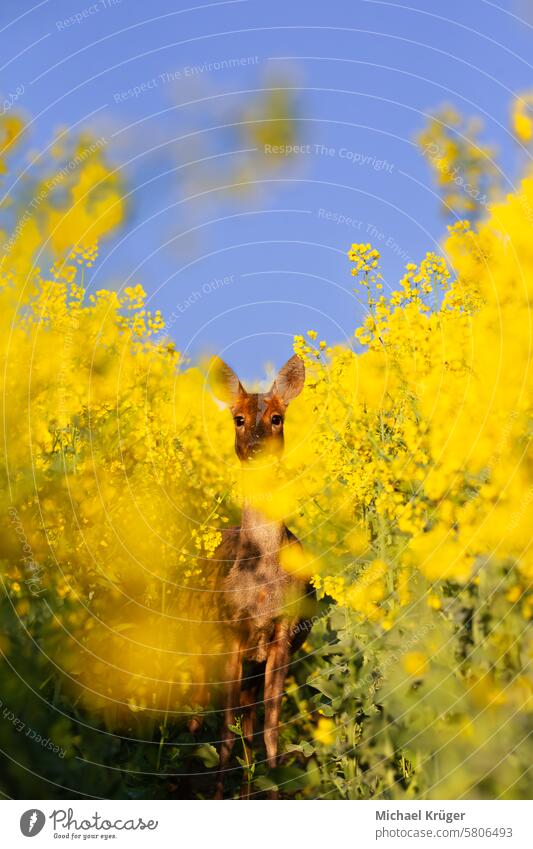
(275, 674)
(233, 690)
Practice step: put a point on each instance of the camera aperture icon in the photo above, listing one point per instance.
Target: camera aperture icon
(32, 822)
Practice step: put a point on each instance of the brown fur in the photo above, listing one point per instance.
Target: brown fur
(262, 605)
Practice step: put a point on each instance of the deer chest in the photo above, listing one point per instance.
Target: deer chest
(257, 593)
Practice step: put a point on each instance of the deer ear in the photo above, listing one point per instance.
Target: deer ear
(290, 380)
(224, 383)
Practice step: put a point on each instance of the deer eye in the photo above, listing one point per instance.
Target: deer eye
(276, 420)
(239, 421)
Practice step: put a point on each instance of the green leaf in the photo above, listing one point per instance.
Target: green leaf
(337, 620)
(264, 783)
(207, 754)
(289, 778)
(328, 688)
(305, 748)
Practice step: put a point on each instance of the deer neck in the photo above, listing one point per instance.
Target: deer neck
(265, 533)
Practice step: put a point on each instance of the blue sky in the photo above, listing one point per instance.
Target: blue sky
(239, 272)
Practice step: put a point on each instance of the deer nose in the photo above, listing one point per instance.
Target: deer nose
(256, 443)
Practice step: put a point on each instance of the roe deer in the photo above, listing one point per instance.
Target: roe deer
(261, 603)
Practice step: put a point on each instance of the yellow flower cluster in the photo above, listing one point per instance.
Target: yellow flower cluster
(463, 167)
(425, 426)
(407, 471)
(422, 513)
(522, 117)
(116, 465)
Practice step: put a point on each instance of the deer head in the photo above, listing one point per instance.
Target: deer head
(258, 416)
